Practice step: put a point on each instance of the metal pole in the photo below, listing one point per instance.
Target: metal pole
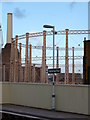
(73, 74)
(57, 65)
(53, 46)
(53, 83)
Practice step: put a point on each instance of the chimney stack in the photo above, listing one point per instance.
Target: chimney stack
(9, 27)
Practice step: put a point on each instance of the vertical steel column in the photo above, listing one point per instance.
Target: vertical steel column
(20, 67)
(12, 61)
(26, 58)
(42, 67)
(57, 65)
(66, 60)
(16, 61)
(20, 47)
(44, 58)
(30, 63)
(57, 58)
(73, 74)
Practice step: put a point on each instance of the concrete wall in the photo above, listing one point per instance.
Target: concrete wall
(69, 98)
(34, 95)
(6, 92)
(72, 98)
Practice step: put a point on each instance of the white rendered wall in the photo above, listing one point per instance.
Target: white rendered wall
(69, 98)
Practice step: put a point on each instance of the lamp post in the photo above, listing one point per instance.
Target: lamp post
(53, 83)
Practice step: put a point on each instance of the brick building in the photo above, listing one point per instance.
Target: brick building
(6, 52)
(86, 62)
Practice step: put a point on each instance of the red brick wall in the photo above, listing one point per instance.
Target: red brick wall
(6, 52)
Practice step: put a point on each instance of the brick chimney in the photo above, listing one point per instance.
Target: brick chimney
(9, 27)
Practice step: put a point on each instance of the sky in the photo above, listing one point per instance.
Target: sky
(31, 16)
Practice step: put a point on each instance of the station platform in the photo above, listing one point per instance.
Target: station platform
(39, 114)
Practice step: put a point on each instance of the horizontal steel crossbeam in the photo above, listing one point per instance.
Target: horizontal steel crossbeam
(62, 32)
(51, 48)
(36, 58)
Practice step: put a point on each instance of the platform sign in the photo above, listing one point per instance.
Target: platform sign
(55, 70)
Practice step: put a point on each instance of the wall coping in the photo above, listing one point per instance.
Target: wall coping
(62, 85)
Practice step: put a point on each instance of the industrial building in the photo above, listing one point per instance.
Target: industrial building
(6, 52)
(13, 69)
(29, 90)
(59, 78)
(86, 62)
(6, 55)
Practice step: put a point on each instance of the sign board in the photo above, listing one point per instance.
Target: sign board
(55, 70)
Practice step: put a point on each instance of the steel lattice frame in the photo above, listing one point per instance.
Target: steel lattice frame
(62, 32)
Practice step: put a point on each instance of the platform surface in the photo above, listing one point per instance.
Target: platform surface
(41, 113)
